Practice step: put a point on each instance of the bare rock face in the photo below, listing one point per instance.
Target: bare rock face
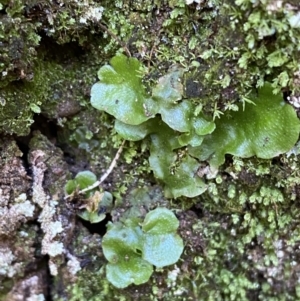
(36, 226)
(15, 208)
(31, 288)
(17, 239)
(49, 174)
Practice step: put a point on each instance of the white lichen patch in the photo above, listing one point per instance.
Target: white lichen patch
(93, 14)
(4, 198)
(294, 20)
(172, 276)
(54, 228)
(294, 101)
(73, 264)
(7, 267)
(39, 297)
(274, 6)
(25, 208)
(198, 2)
(48, 218)
(38, 194)
(53, 248)
(53, 268)
(12, 216)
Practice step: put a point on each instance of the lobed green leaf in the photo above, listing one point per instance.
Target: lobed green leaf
(160, 221)
(120, 92)
(266, 130)
(162, 249)
(131, 270)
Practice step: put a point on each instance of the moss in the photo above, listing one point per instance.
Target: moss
(242, 245)
(242, 229)
(242, 234)
(57, 91)
(224, 67)
(247, 224)
(253, 51)
(34, 80)
(19, 40)
(23, 99)
(65, 21)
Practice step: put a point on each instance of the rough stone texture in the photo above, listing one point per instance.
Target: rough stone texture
(31, 288)
(16, 238)
(25, 199)
(241, 236)
(56, 221)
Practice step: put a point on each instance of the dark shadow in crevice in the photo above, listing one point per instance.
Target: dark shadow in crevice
(43, 124)
(286, 94)
(46, 126)
(97, 228)
(49, 281)
(22, 143)
(198, 210)
(60, 53)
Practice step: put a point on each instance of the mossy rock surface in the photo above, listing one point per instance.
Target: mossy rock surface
(240, 228)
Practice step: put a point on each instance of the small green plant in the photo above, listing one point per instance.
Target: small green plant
(133, 245)
(96, 203)
(181, 135)
(81, 181)
(132, 249)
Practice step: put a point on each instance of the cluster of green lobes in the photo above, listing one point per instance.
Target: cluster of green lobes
(265, 128)
(133, 249)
